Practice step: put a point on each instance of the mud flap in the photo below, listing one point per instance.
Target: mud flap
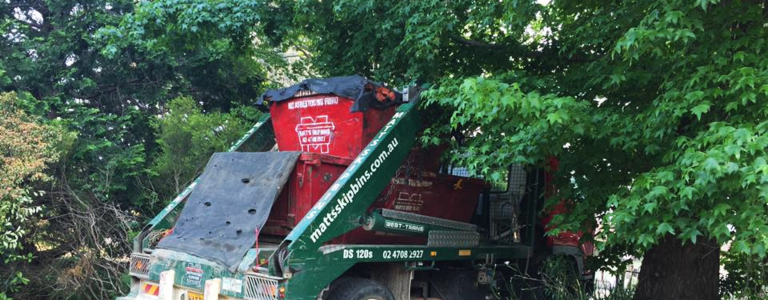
(227, 210)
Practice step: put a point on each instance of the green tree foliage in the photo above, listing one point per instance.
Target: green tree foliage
(655, 109)
(187, 138)
(403, 41)
(666, 128)
(27, 148)
(219, 39)
(110, 92)
(4, 80)
(746, 276)
(67, 55)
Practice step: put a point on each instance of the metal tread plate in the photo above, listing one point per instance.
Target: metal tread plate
(447, 238)
(417, 218)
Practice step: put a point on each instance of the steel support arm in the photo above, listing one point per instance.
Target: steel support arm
(339, 210)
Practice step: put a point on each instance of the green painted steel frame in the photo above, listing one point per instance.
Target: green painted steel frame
(310, 266)
(339, 210)
(412, 253)
(342, 207)
(376, 222)
(312, 273)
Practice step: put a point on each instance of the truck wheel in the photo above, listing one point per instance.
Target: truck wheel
(360, 289)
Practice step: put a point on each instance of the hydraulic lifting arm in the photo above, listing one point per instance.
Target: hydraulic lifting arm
(341, 208)
(344, 205)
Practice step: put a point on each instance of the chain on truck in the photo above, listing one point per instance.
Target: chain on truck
(329, 196)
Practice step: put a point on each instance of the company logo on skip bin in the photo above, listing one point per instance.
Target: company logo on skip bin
(315, 134)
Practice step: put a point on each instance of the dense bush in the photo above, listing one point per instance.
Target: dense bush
(27, 148)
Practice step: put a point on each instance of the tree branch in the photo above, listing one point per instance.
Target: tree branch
(475, 43)
(34, 25)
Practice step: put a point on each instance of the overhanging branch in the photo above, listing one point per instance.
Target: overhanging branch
(521, 51)
(475, 43)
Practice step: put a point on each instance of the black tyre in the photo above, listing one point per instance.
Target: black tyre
(360, 289)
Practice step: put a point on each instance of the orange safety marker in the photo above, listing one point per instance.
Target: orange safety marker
(151, 289)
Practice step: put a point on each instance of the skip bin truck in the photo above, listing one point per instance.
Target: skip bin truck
(329, 197)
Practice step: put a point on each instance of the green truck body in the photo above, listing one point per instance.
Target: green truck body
(304, 265)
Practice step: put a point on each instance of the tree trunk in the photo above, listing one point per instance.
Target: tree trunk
(673, 271)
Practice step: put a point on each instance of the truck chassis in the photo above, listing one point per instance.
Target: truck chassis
(304, 265)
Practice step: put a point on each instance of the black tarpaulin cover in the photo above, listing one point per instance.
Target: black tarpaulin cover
(231, 202)
(367, 94)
